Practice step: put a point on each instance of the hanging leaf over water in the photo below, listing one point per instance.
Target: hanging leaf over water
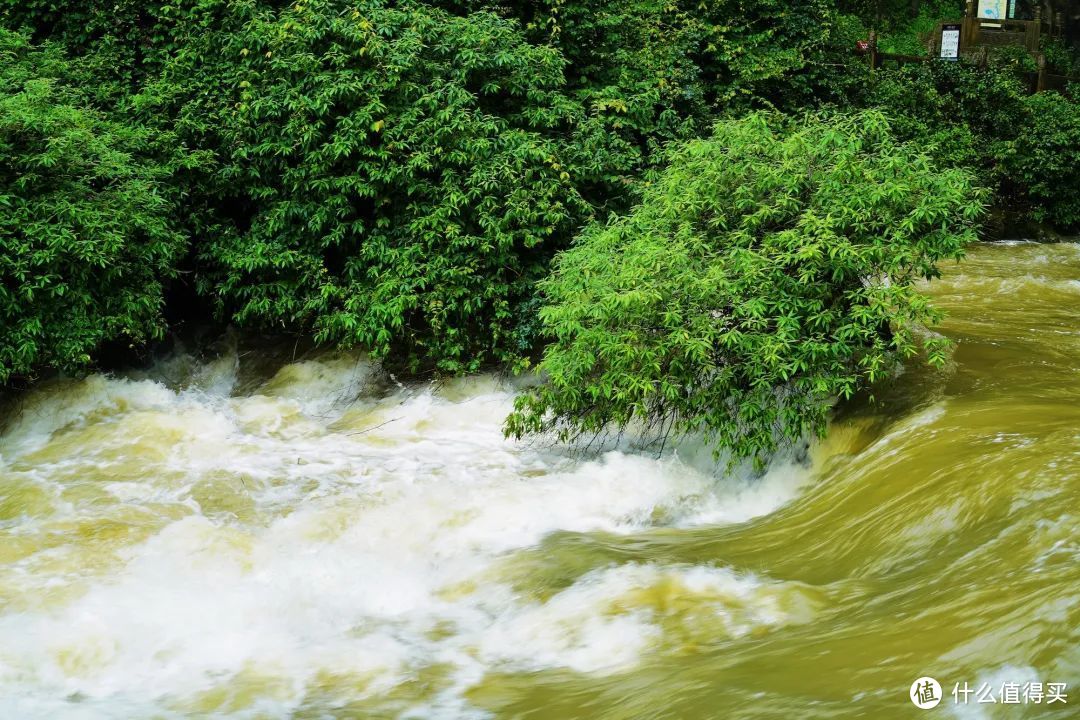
(771, 269)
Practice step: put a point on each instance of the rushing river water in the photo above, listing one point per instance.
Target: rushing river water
(212, 540)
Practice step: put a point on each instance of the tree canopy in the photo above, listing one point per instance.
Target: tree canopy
(387, 175)
(771, 269)
(459, 184)
(88, 231)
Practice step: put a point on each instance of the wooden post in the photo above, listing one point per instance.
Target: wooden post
(1035, 41)
(1041, 62)
(873, 51)
(968, 27)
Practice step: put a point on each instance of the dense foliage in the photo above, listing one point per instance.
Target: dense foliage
(954, 111)
(388, 176)
(903, 26)
(1041, 163)
(1026, 147)
(771, 269)
(87, 233)
(400, 175)
(647, 72)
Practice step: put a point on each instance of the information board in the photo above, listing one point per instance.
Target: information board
(950, 42)
(993, 9)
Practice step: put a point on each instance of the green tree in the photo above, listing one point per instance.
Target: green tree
(1040, 166)
(650, 72)
(87, 237)
(1025, 147)
(771, 269)
(390, 175)
(121, 41)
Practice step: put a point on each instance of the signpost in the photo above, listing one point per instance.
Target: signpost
(950, 41)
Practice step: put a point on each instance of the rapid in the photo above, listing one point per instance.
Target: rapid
(232, 538)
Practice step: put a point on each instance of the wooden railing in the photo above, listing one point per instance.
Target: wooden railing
(1000, 33)
(1037, 81)
(979, 37)
(976, 33)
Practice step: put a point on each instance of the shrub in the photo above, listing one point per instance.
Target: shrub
(907, 34)
(399, 175)
(86, 232)
(953, 111)
(1041, 166)
(771, 269)
(649, 72)
(391, 174)
(123, 39)
(1024, 146)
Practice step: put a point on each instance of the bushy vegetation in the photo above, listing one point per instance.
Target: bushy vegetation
(401, 176)
(1026, 147)
(770, 270)
(390, 177)
(88, 232)
(1041, 163)
(906, 33)
(954, 111)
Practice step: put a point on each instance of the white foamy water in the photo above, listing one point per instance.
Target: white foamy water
(317, 542)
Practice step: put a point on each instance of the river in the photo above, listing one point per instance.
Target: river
(315, 540)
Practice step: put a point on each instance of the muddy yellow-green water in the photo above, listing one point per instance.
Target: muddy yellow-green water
(317, 541)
